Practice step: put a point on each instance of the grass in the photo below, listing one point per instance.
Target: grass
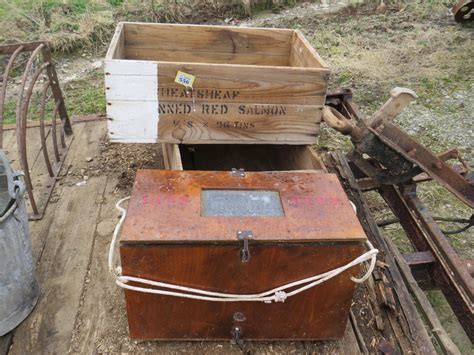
(83, 96)
(70, 25)
(416, 45)
(87, 95)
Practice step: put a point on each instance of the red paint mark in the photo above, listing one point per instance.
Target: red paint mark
(306, 201)
(166, 200)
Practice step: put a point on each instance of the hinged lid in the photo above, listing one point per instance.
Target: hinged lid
(208, 206)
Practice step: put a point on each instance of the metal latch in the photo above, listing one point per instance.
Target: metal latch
(238, 172)
(244, 235)
(236, 333)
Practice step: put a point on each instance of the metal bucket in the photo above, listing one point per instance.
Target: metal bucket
(18, 284)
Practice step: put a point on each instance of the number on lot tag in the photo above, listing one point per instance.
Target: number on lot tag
(185, 79)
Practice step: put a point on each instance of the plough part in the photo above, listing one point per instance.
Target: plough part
(464, 11)
(22, 107)
(447, 270)
(399, 156)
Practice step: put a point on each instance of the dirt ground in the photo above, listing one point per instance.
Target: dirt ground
(370, 48)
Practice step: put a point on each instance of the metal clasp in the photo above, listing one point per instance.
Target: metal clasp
(236, 333)
(244, 235)
(238, 172)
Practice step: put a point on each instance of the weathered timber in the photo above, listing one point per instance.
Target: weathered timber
(251, 85)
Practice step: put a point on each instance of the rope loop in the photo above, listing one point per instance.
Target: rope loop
(279, 294)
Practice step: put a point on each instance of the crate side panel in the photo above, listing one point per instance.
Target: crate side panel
(117, 44)
(130, 67)
(318, 313)
(132, 121)
(138, 53)
(245, 123)
(237, 84)
(220, 39)
(303, 54)
(132, 102)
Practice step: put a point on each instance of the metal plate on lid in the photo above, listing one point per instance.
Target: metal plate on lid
(179, 206)
(240, 203)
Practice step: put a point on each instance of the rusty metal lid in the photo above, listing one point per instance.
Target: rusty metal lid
(209, 206)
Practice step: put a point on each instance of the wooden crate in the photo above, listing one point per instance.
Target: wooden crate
(252, 85)
(170, 236)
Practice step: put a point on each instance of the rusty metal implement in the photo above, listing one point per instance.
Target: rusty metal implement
(39, 64)
(401, 155)
(464, 11)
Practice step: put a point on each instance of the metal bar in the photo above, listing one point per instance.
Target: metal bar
(419, 258)
(442, 337)
(58, 95)
(441, 273)
(415, 152)
(61, 135)
(21, 130)
(4, 89)
(27, 47)
(439, 240)
(426, 259)
(53, 133)
(446, 277)
(416, 328)
(44, 147)
(22, 108)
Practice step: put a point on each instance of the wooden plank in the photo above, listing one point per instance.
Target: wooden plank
(130, 67)
(64, 259)
(116, 47)
(222, 39)
(139, 53)
(172, 157)
(311, 211)
(218, 123)
(5, 343)
(419, 258)
(303, 54)
(132, 101)
(407, 325)
(318, 313)
(94, 318)
(245, 84)
(423, 303)
(132, 121)
(131, 87)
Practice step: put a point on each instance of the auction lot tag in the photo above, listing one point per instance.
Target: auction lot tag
(185, 79)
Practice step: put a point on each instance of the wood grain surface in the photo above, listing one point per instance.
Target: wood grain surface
(318, 313)
(313, 205)
(253, 85)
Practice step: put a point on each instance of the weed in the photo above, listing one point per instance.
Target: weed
(87, 95)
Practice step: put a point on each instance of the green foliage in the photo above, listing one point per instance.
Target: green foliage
(87, 95)
(115, 3)
(84, 96)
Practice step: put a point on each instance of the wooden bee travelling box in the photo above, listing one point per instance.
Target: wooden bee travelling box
(241, 233)
(213, 84)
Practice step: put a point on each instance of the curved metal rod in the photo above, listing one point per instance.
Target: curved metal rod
(53, 132)
(22, 133)
(21, 127)
(42, 133)
(4, 89)
(61, 134)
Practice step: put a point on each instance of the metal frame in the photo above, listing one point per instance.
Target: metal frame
(441, 264)
(46, 66)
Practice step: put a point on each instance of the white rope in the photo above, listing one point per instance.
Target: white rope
(278, 294)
